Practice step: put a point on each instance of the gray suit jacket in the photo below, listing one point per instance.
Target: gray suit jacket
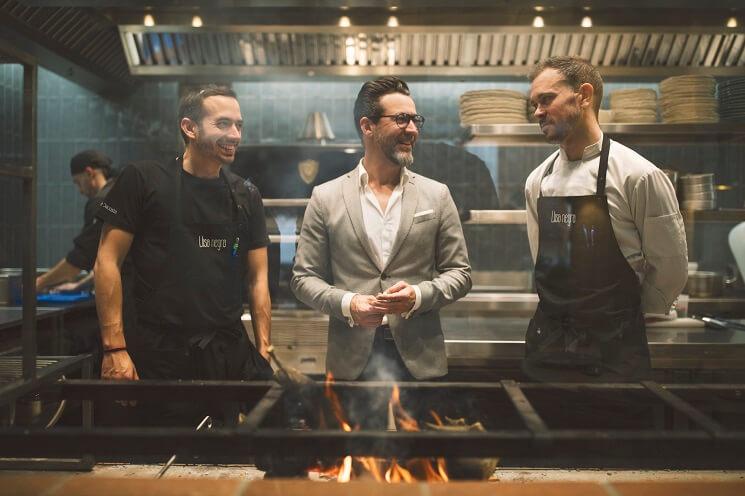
(334, 256)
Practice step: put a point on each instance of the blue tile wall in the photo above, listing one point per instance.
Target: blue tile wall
(72, 119)
(11, 151)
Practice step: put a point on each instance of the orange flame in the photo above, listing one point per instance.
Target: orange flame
(423, 467)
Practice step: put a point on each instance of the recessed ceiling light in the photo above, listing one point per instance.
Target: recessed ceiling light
(586, 22)
(344, 22)
(538, 22)
(393, 8)
(539, 8)
(148, 20)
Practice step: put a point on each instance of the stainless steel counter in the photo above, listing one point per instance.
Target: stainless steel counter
(489, 341)
(483, 341)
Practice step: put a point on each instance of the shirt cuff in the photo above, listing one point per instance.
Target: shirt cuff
(346, 307)
(417, 302)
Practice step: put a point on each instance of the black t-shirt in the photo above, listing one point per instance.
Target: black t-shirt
(83, 253)
(135, 204)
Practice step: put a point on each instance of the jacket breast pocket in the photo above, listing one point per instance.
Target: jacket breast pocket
(424, 216)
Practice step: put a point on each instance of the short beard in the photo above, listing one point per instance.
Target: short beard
(564, 129)
(402, 159)
(209, 148)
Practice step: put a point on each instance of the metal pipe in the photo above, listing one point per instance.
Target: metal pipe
(28, 338)
(205, 421)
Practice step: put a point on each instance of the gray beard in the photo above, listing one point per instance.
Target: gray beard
(403, 159)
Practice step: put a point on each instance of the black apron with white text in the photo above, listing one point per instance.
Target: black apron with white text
(589, 325)
(188, 315)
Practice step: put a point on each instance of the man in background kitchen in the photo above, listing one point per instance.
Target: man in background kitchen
(605, 233)
(93, 175)
(381, 250)
(195, 234)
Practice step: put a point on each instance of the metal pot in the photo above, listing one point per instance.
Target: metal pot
(706, 284)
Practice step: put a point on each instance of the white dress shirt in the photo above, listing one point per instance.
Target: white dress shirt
(381, 228)
(643, 209)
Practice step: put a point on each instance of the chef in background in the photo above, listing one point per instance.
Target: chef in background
(93, 175)
(606, 235)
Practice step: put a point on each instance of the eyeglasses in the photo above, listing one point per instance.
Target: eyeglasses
(402, 120)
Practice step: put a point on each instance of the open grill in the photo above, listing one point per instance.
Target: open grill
(668, 426)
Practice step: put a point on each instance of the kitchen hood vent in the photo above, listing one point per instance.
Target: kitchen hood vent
(264, 51)
(80, 35)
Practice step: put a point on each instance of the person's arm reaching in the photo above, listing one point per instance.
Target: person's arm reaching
(113, 248)
(63, 271)
(259, 301)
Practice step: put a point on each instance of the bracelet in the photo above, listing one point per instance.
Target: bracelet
(112, 350)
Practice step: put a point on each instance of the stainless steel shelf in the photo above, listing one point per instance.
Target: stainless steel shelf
(490, 134)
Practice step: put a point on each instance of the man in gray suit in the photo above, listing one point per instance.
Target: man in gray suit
(381, 250)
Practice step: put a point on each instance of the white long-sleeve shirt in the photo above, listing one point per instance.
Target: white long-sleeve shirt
(643, 210)
(381, 228)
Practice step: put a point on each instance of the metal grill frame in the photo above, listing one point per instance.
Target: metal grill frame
(709, 446)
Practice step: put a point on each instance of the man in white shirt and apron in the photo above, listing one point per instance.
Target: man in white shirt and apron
(606, 235)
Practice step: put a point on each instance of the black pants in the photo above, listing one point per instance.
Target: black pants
(165, 354)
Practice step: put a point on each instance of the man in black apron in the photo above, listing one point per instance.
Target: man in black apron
(195, 233)
(589, 324)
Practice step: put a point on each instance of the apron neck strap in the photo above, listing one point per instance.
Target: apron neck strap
(602, 167)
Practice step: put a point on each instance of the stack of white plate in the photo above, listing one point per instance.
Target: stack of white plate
(634, 105)
(688, 99)
(697, 192)
(493, 107)
(732, 99)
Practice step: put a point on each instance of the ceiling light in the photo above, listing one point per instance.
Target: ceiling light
(344, 22)
(393, 8)
(732, 22)
(538, 8)
(149, 20)
(393, 22)
(538, 22)
(196, 22)
(586, 22)
(587, 8)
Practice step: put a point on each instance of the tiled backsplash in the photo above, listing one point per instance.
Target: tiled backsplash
(143, 125)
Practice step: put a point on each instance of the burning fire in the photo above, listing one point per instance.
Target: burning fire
(384, 470)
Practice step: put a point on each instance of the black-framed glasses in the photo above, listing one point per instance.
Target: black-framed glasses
(402, 120)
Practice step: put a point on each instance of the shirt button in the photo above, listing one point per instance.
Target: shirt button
(384, 276)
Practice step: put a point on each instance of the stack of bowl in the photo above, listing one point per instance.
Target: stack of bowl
(697, 192)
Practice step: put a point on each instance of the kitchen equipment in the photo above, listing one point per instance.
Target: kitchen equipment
(715, 323)
(317, 127)
(736, 240)
(707, 284)
(697, 192)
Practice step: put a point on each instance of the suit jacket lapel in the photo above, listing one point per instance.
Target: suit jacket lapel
(351, 193)
(408, 207)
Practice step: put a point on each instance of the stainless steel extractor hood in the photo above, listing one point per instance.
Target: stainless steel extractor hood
(426, 51)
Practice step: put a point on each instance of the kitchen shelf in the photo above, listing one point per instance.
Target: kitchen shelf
(723, 215)
(527, 134)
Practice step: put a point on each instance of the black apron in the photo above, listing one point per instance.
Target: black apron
(589, 325)
(188, 322)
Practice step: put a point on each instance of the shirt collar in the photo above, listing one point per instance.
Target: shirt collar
(591, 151)
(404, 178)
